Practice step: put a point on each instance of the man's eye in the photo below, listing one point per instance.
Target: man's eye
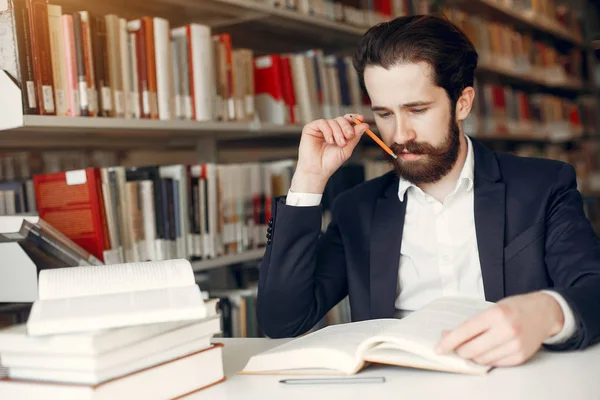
(385, 115)
(418, 110)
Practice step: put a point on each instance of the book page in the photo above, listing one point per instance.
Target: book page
(419, 333)
(116, 310)
(333, 347)
(116, 278)
(425, 326)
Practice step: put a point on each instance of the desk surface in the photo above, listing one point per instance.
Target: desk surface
(547, 376)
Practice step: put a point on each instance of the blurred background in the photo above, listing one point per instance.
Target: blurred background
(157, 129)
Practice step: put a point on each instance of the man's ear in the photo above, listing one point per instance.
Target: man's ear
(465, 103)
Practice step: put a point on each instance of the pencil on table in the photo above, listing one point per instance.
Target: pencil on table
(376, 139)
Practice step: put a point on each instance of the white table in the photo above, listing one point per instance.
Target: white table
(547, 376)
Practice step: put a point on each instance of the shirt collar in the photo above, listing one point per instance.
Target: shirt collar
(466, 174)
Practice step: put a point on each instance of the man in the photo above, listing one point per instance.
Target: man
(453, 218)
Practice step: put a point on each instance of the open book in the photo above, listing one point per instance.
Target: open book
(347, 348)
(108, 296)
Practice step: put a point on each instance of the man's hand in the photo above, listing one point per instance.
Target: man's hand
(508, 333)
(324, 146)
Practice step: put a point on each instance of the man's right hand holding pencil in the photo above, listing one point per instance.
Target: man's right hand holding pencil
(324, 146)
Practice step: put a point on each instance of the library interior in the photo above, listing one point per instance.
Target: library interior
(144, 144)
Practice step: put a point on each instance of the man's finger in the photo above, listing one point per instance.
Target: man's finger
(499, 353)
(463, 333)
(484, 343)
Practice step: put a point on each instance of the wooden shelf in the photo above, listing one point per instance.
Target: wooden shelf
(571, 85)
(115, 133)
(252, 255)
(501, 13)
(526, 138)
(252, 23)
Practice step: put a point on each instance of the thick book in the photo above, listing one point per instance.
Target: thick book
(42, 55)
(170, 380)
(348, 348)
(155, 343)
(72, 203)
(16, 58)
(80, 299)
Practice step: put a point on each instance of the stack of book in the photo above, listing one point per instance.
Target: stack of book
(118, 331)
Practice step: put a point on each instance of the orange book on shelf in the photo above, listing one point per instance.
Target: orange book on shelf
(42, 55)
(148, 31)
(72, 203)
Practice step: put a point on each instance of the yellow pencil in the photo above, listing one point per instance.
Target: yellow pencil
(376, 139)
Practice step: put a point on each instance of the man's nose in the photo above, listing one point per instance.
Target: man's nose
(404, 132)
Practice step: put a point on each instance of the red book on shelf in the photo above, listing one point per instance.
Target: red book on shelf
(268, 89)
(289, 95)
(72, 202)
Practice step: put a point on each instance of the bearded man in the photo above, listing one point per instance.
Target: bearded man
(453, 218)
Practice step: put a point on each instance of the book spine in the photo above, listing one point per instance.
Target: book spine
(148, 24)
(59, 65)
(142, 65)
(79, 61)
(88, 58)
(71, 67)
(135, 100)
(15, 57)
(101, 67)
(164, 69)
(42, 55)
(114, 58)
(128, 110)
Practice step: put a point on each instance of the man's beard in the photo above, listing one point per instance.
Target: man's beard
(435, 161)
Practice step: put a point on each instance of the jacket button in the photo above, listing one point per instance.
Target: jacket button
(269, 236)
(270, 223)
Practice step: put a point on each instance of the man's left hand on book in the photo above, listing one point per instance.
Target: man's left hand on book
(509, 333)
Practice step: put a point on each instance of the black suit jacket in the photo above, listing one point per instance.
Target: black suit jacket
(532, 234)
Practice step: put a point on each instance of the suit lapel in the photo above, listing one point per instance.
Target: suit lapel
(386, 238)
(489, 220)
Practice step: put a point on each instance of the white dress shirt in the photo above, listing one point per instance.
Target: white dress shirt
(435, 261)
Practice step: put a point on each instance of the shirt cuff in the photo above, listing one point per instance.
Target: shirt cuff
(569, 326)
(303, 199)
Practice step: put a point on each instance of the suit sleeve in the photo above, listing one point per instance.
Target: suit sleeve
(573, 259)
(303, 273)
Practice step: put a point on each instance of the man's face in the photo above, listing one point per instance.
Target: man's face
(415, 119)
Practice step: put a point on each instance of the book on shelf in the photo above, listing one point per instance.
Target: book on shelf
(79, 299)
(47, 247)
(133, 214)
(347, 349)
(502, 47)
(108, 66)
(70, 202)
(501, 110)
(17, 197)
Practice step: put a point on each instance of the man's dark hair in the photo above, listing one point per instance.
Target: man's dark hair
(429, 38)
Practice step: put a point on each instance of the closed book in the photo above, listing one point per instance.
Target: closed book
(72, 202)
(59, 63)
(83, 299)
(42, 55)
(16, 57)
(88, 344)
(194, 372)
(98, 368)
